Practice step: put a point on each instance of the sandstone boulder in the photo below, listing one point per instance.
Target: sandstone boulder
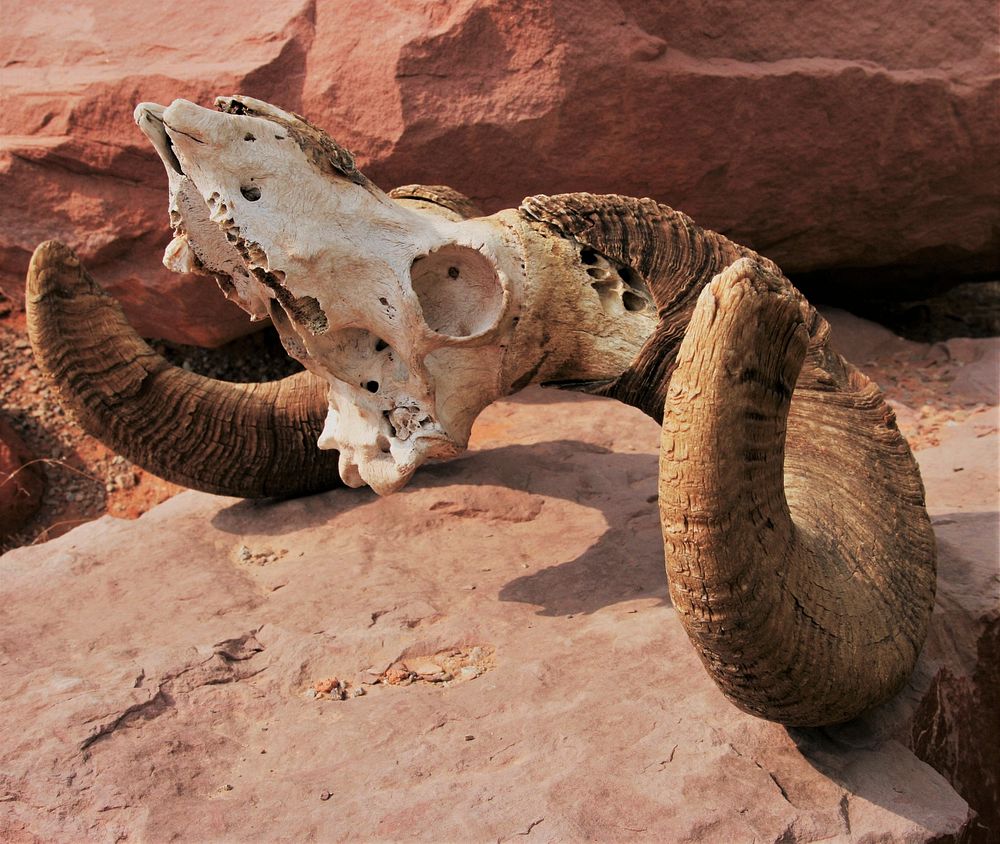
(196, 674)
(861, 135)
(21, 483)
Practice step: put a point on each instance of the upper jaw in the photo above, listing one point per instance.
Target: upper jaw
(149, 119)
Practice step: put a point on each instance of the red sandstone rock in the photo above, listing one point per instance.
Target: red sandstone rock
(858, 135)
(21, 486)
(160, 675)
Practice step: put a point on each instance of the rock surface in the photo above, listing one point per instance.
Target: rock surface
(862, 136)
(182, 675)
(21, 485)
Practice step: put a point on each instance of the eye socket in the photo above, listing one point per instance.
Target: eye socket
(459, 291)
(251, 193)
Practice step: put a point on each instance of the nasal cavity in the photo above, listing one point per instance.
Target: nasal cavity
(459, 291)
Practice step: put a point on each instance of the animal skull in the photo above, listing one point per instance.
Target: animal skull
(403, 313)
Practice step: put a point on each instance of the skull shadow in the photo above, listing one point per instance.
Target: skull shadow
(626, 562)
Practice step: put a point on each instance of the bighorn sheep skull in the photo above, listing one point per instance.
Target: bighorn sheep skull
(798, 548)
(402, 313)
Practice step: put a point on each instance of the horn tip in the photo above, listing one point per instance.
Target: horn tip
(51, 252)
(54, 267)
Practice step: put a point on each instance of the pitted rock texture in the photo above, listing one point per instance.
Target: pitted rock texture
(175, 676)
(21, 482)
(861, 136)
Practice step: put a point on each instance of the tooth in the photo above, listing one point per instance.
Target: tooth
(179, 256)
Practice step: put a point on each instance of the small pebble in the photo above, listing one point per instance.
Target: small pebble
(469, 738)
(325, 795)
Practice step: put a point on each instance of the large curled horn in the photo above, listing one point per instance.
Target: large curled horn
(248, 440)
(799, 551)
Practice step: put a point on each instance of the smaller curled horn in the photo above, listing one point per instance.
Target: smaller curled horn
(249, 440)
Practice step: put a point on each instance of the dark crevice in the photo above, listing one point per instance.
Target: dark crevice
(256, 357)
(918, 303)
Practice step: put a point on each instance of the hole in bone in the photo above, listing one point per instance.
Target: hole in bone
(249, 137)
(633, 301)
(390, 310)
(460, 304)
(251, 193)
(383, 444)
(599, 273)
(225, 283)
(371, 386)
(278, 315)
(635, 282)
(588, 256)
(380, 344)
(349, 356)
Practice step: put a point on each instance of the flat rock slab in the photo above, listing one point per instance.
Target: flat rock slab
(160, 677)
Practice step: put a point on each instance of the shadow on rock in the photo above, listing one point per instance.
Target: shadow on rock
(624, 564)
(872, 769)
(277, 517)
